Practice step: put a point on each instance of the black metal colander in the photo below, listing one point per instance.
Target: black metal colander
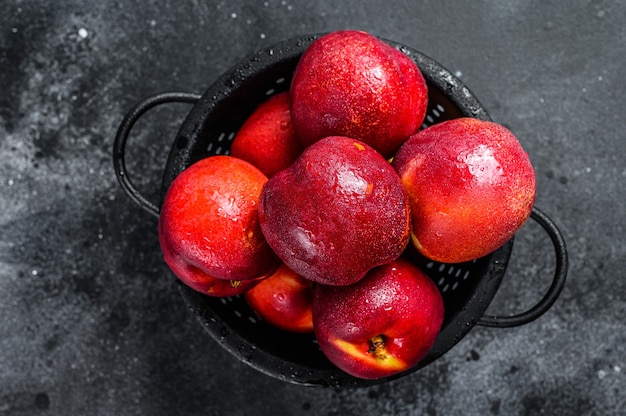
(467, 288)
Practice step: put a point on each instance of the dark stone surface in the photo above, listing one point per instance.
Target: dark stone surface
(90, 320)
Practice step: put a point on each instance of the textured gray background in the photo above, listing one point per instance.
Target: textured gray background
(90, 323)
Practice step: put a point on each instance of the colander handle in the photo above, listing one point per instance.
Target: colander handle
(558, 281)
(119, 145)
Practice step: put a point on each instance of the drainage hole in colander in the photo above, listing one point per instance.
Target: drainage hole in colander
(273, 91)
(435, 113)
(217, 151)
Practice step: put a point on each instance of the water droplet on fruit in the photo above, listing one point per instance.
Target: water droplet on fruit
(482, 164)
(352, 328)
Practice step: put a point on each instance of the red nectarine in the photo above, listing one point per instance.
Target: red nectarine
(382, 325)
(471, 187)
(351, 83)
(336, 212)
(284, 300)
(209, 225)
(267, 138)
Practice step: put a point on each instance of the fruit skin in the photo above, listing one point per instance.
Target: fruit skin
(471, 187)
(382, 325)
(267, 138)
(351, 83)
(284, 300)
(336, 212)
(213, 286)
(209, 227)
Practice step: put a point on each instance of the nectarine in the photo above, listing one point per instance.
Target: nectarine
(471, 187)
(382, 325)
(284, 300)
(209, 224)
(351, 83)
(267, 138)
(336, 212)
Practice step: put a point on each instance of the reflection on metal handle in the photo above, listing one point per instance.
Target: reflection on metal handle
(557, 283)
(119, 146)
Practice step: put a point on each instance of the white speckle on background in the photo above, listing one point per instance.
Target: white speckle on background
(458, 74)
(82, 32)
(262, 35)
(233, 15)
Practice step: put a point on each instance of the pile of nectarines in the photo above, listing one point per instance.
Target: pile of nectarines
(325, 187)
